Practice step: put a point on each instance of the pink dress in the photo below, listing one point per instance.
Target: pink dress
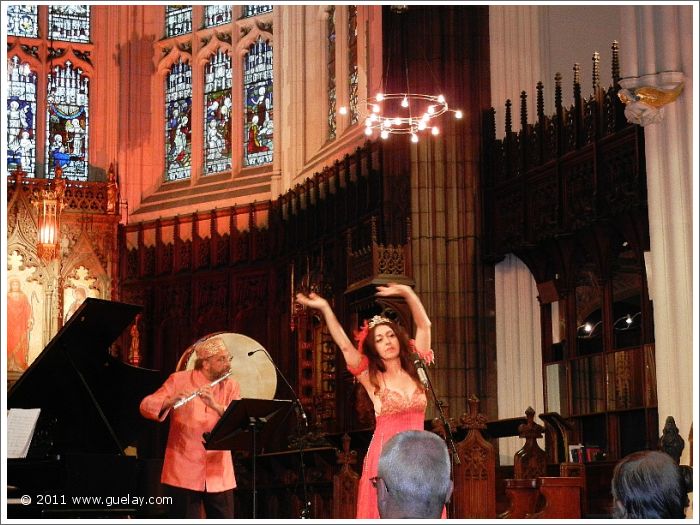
(399, 413)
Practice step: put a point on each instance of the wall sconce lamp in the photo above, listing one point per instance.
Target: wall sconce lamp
(626, 322)
(49, 203)
(587, 329)
(644, 104)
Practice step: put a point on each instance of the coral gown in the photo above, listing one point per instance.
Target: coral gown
(399, 413)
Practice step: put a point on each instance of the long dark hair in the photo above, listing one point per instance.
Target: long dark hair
(376, 363)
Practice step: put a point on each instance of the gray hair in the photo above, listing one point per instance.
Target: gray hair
(415, 466)
(648, 484)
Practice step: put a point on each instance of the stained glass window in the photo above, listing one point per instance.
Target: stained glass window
(257, 93)
(216, 15)
(69, 22)
(217, 118)
(22, 20)
(252, 10)
(352, 63)
(178, 127)
(178, 20)
(330, 68)
(21, 117)
(67, 130)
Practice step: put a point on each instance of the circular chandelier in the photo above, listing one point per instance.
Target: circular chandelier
(404, 114)
(407, 112)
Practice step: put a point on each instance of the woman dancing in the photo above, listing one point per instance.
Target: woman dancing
(382, 364)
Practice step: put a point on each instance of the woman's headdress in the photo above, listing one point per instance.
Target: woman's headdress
(361, 335)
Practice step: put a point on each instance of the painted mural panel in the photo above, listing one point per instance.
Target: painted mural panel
(25, 315)
(78, 287)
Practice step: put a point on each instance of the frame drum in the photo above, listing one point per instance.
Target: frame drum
(255, 373)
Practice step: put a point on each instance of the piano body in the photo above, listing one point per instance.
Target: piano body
(89, 416)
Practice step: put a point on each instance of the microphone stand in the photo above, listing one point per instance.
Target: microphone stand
(425, 379)
(299, 409)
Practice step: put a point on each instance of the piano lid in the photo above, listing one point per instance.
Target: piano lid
(90, 398)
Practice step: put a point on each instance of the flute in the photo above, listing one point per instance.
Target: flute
(194, 394)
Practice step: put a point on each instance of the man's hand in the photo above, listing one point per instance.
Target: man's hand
(170, 402)
(206, 395)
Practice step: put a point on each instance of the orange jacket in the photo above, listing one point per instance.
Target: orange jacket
(187, 463)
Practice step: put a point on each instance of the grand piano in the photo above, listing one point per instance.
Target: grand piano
(89, 422)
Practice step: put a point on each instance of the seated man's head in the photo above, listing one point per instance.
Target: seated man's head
(413, 477)
(648, 484)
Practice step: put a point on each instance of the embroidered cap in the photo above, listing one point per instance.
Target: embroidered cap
(210, 347)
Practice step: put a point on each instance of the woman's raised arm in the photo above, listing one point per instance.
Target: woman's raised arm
(350, 353)
(420, 317)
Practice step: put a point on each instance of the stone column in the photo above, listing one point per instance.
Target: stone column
(656, 50)
(517, 55)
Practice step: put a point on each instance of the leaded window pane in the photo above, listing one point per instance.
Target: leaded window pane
(67, 130)
(216, 15)
(22, 21)
(69, 22)
(178, 20)
(217, 118)
(353, 74)
(178, 119)
(330, 68)
(252, 10)
(257, 92)
(21, 117)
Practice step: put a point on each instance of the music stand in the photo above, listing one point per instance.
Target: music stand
(239, 425)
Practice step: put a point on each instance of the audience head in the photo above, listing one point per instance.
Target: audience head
(648, 484)
(413, 477)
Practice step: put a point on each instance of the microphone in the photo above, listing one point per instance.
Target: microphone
(297, 402)
(420, 369)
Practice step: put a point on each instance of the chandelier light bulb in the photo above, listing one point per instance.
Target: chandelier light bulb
(441, 99)
(375, 108)
(379, 97)
(343, 110)
(458, 113)
(431, 110)
(397, 121)
(435, 130)
(421, 125)
(368, 121)
(628, 320)
(384, 134)
(588, 328)
(368, 131)
(404, 102)
(414, 138)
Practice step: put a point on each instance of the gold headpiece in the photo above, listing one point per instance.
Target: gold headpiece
(378, 319)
